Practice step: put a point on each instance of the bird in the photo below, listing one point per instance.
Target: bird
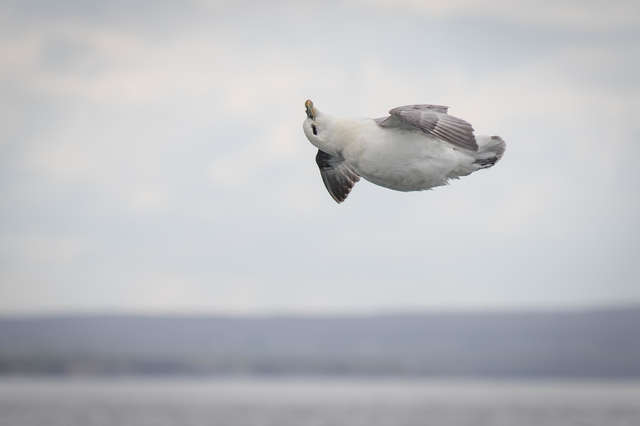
(414, 148)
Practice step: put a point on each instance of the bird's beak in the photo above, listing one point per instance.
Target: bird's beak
(310, 111)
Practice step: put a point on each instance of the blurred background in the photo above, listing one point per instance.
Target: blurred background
(169, 255)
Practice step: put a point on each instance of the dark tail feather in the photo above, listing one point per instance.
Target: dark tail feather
(490, 150)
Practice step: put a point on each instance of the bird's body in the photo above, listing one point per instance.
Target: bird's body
(420, 152)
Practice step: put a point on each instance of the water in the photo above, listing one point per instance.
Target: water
(159, 402)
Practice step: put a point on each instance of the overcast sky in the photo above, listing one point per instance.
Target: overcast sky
(153, 159)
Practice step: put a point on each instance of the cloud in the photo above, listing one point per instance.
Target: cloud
(590, 15)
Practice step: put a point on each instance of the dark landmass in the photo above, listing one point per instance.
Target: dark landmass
(581, 344)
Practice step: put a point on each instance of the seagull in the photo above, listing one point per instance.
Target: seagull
(416, 147)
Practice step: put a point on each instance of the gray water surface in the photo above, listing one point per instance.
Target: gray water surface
(302, 402)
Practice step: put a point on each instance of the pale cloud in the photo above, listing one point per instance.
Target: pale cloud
(149, 199)
(37, 249)
(598, 15)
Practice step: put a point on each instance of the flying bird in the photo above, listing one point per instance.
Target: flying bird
(416, 147)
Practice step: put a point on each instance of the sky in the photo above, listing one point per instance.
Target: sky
(153, 160)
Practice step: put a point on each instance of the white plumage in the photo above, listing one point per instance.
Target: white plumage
(417, 147)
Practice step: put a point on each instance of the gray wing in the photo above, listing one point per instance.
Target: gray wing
(432, 120)
(337, 176)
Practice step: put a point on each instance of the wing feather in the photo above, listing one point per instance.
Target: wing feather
(433, 120)
(420, 107)
(337, 176)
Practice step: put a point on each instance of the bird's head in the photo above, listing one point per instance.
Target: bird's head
(313, 124)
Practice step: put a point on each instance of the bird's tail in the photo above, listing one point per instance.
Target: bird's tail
(490, 150)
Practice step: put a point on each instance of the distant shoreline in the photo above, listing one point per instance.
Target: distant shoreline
(575, 344)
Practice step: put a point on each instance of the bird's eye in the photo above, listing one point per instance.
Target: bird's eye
(314, 130)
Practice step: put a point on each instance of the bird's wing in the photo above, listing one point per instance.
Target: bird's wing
(337, 176)
(421, 107)
(433, 120)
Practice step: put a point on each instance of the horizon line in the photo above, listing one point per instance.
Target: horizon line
(341, 313)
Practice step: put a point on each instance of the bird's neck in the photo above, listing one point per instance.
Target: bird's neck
(340, 134)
